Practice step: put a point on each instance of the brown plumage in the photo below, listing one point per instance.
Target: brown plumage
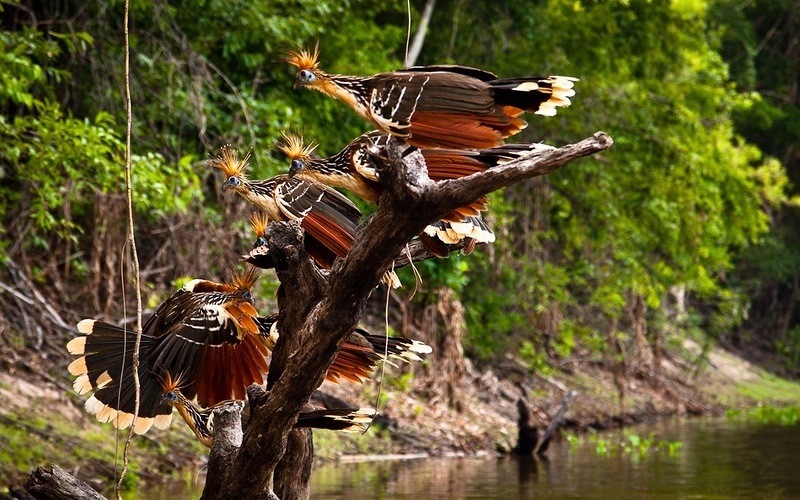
(208, 340)
(360, 351)
(352, 169)
(201, 420)
(205, 335)
(329, 219)
(439, 106)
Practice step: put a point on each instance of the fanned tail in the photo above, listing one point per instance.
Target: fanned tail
(343, 419)
(104, 349)
(451, 232)
(400, 348)
(534, 94)
(361, 352)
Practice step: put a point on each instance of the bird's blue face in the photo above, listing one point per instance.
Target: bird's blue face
(260, 242)
(233, 182)
(169, 397)
(296, 166)
(305, 77)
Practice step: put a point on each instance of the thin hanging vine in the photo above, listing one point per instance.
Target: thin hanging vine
(132, 242)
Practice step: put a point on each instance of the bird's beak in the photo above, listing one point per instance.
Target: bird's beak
(226, 186)
(297, 83)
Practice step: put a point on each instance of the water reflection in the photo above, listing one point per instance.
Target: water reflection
(719, 458)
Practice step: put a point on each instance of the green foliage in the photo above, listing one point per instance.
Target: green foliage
(57, 166)
(768, 415)
(685, 200)
(628, 444)
(673, 203)
(403, 382)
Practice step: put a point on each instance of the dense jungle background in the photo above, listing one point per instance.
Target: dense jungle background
(685, 233)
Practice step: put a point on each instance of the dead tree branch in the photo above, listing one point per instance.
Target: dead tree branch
(53, 482)
(316, 315)
(555, 423)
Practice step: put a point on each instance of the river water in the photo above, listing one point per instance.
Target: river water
(717, 458)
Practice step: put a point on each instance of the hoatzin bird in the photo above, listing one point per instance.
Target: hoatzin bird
(329, 219)
(206, 332)
(439, 106)
(201, 420)
(211, 336)
(360, 351)
(350, 169)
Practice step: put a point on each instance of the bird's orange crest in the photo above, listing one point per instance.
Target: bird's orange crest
(247, 279)
(293, 146)
(228, 161)
(259, 221)
(304, 58)
(170, 383)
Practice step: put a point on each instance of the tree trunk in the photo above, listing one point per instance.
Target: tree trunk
(554, 424)
(441, 325)
(618, 368)
(789, 309)
(317, 312)
(642, 353)
(293, 472)
(451, 358)
(527, 434)
(419, 36)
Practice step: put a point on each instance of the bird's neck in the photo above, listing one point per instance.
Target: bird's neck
(262, 195)
(351, 90)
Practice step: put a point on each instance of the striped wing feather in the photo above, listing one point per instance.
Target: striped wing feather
(398, 97)
(460, 107)
(461, 131)
(298, 198)
(185, 339)
(327, 216)
(329, 233)
(478, 73)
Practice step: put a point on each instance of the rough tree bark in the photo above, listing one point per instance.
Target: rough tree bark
(643, 358)
(316, 314)
(54, 482)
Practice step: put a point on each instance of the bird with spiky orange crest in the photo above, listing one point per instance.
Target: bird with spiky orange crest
(360, 351)
(201, 420)
(352, 169)
(329, 219)
(439, 106)
(207, 340)
(205, 335)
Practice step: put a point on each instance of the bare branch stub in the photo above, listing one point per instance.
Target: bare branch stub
(227, 440)
(316, 316)
(54, 482)
(454, 193)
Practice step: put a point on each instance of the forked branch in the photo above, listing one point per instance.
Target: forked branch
(315, 315)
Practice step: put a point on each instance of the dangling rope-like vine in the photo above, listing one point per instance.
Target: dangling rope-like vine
(134, 254)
